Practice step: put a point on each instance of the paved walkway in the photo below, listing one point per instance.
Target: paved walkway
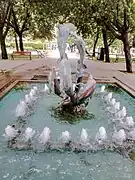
(112, 70)
(98, 69)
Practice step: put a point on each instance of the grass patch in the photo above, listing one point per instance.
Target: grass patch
(70, 118)
(118, 60)
(132, 155)
(21, 86)
(113, 88)
(113, 60)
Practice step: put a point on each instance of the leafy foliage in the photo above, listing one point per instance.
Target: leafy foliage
(21, 86)
(132, 155)
(28, 46)
(113, 88)
(21, 13)
(42, 22)
(38, 18)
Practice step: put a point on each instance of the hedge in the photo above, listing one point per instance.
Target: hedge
(28, 46)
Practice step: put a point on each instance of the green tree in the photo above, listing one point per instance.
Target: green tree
(5, 15)
(13, 34)
(95, 41)
(43, 21)
(113, 16)
(116, 16)
(34, 19)
(21, 19)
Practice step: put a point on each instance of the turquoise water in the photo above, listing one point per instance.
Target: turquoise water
(27, 165)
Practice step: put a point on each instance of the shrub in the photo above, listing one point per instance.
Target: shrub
(28, 46)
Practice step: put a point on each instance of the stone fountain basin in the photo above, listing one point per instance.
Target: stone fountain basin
(53, 165)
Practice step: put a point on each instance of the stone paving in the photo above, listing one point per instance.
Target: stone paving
(99, 70)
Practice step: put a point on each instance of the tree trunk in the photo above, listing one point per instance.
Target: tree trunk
(21, 42)
(134, 42)
(107, 58)
(3, 47)
(127, 53)
(102, 54)
(71, 48)
(95, 43)
(16, 43)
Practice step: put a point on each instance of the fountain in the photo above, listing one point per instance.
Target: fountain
(84, 138)
(65, 137)
(72, 95)
(131, 134)
(32, 95)
(101, 136)
(117, 106)
(33, 91)
(119, 137)
(74, 86)
(75, 98)
(102, 90)
(10, 132)
(28, 99)
(29, 133)
(21, 109)
(122, 113)
(35, 88)
(108, 97)
(45, 136)
(46, 89)
(112, 107)
(44, 141)
(129, 122)
(113, 102)
(84, 144)
(51, 77)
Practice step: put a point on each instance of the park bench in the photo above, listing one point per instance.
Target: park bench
(40, 54)
(21, 54)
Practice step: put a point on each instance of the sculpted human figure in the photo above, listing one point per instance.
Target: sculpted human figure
(64, 87)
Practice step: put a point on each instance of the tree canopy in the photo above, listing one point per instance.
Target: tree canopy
(114, 17)
(111, 19)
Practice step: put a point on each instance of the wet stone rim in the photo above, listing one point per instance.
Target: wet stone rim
(9, 86)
